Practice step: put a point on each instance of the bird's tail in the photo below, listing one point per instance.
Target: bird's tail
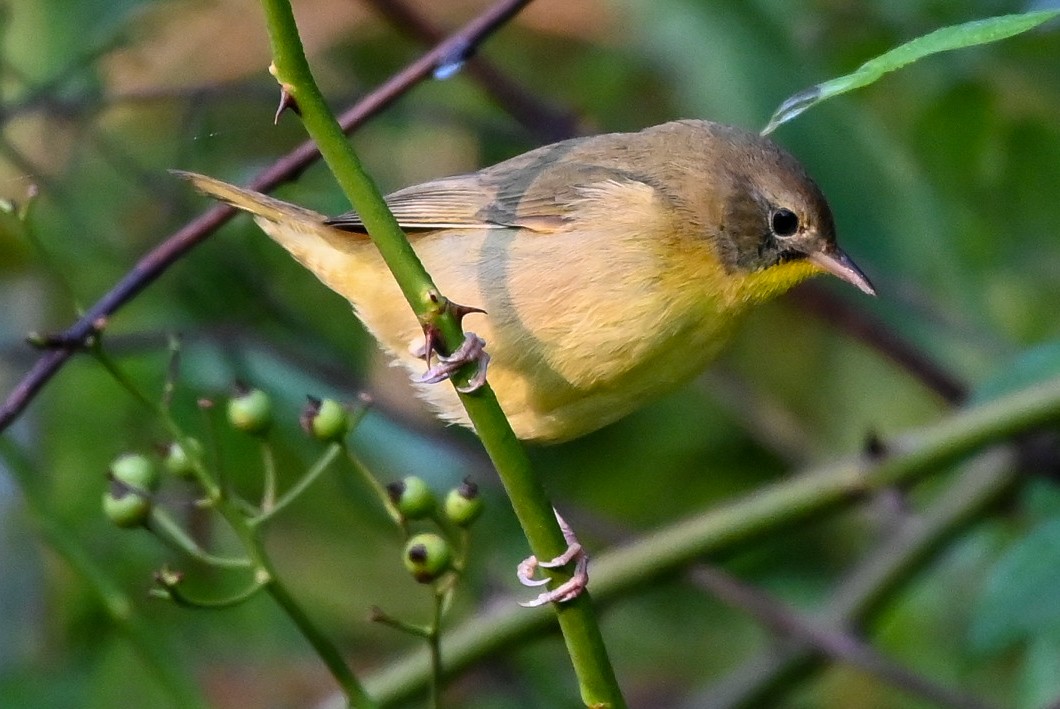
(345, 262)
(256, 203)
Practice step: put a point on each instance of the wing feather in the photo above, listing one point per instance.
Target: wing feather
(539, 196)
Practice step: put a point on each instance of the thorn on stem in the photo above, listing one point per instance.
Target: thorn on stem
(287, 102)
(460, 311)
(431, 337)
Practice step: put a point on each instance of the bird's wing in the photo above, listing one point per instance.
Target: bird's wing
(537, 200)
(449, 203)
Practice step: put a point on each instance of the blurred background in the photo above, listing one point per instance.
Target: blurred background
(943, 179)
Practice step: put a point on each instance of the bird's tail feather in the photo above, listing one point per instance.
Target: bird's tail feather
(256, 203)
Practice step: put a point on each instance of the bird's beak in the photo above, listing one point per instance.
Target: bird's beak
(839, 264)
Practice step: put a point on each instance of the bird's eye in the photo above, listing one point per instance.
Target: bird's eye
(784, 222)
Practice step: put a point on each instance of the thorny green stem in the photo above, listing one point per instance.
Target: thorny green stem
(581, 632)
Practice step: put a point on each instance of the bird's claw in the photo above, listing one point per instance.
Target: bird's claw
(472, 349)
(568, 590)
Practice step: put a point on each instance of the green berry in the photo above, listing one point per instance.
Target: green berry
(250, 411)
(178, 461)
(463, 504)
(125, 505)
(412, 498)
(325, 420)
(136, 471)
(427, 556)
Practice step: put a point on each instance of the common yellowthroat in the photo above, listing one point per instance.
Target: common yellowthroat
(610, 268)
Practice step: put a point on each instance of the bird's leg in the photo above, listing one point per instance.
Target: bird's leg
(569, 589)
(472, 349)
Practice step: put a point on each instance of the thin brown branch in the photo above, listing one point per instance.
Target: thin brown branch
(547, 123)
(155, 262)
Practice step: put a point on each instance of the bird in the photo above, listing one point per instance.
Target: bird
(609, 269)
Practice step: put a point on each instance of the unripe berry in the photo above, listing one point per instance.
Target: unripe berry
(412, 497)
(250, 411)
(463, 504)
(179, 461)
(135, 470)
(325, 420)
(427, 556)
(125, 505)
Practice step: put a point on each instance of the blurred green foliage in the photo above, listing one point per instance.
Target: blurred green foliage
(943, 179)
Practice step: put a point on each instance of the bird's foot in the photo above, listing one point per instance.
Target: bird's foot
(569, 589)
(471, 350)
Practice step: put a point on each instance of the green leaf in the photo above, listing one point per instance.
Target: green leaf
(945, 39)
(1020, 599)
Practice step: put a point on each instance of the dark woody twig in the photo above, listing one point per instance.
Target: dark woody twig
(545, 122)
(174, 247)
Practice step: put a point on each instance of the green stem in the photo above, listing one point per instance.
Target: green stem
(217, 482)
(327, 651)
(171, 534)
(581, 632)
(174, 593)
(121, 378)
(333, 450)
(758, 681)
(382, 617)
(240, 516)
(248, 532)
(202, 475)
(268, 466)
(435, 647)
(378, 488)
